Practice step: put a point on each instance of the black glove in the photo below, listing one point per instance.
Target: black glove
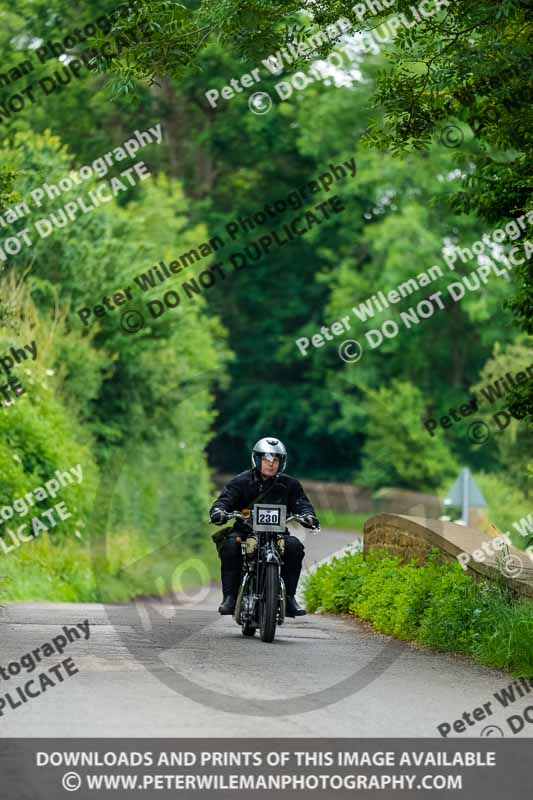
(218, 516)
(311, 520)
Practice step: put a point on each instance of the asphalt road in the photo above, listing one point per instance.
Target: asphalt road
(177, 668)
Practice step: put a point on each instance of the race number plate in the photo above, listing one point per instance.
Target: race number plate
(269, 517)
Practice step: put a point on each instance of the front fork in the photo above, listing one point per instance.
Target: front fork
(246, 605)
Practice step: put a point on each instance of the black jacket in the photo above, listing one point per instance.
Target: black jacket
(242, 491)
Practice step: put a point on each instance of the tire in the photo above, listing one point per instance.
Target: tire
(248, 630)
(269, 603)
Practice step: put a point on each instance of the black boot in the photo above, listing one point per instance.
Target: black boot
(228, 604)
(292, 609)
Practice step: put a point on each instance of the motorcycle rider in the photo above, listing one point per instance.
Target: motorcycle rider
(267, 481)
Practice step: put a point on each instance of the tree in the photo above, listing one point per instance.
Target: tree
(148, 394)
(461, 67)
(467, 66)
(511, 438)
(397, 451)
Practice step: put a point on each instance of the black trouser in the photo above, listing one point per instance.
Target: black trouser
(230, 555)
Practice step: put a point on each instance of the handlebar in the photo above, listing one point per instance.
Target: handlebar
(294, 517)
(300, 518)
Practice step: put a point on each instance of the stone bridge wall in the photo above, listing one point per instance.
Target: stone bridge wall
(414, 537)
(347, 497)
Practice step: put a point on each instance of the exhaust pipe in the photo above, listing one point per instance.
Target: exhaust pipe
(237, 612)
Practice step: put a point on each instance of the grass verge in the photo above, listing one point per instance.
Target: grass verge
(342, 521)
(435, 604)
(71, 571)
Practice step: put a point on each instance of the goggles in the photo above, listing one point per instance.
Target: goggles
(270, 457)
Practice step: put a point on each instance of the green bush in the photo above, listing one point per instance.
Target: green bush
(75, 572)
(40, 432)
(435, 603)
(37, 437)
(335, 584)
(135, 411)
(398, 451)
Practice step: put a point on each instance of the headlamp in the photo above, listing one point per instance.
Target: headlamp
(251, 545)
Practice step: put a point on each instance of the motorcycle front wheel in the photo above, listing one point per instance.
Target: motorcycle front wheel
(268, 605)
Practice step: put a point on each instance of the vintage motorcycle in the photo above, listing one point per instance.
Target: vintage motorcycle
(261, 598)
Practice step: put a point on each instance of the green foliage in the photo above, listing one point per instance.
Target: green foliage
(436, 75)
(39, 433)
(148, 401)
(69, 572)
(167, 38)
(97, 396)
(332, 586)
(407, 222)
(465, 67)
(514, 443)
(397, 450)
(397, 216)
(435, 604)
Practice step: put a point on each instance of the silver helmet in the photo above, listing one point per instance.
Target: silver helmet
(269, 446)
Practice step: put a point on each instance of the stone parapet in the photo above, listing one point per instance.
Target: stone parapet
(414, 537)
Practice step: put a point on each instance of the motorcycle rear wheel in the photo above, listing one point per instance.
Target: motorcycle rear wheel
(268, 605)
(248, 630)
